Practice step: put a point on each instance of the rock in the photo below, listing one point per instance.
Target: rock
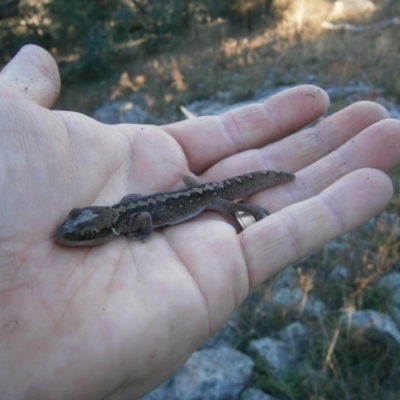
(390, 105)
(293, 299)
(385, 223)
(396, 315)
(392, 282)
(351, 9)
(340, 92)
(121, 112)
(295, 336)
(275, 353)
(369, 320)
(222, 103)
(286, 297)
(213, 374)
(340, 248)
(255, 394)
(286, 279)
(164, 392)
(283, 353)
(228, 336)
(339, 273)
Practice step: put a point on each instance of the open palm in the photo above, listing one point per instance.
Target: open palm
(114, 321)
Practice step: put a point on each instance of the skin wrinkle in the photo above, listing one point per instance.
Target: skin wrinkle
(78, 262)
(228, 119)
(310, 134)
(68, 154)
(43, 299)
(289, 192)
(134, 262)
(292, 229)
(318, 133)
(269, 117)
(265, 159)
(260, 159)
(104, 189)
(108, 184)
(67, 304)
(115, 272)
(343, 161)
(123, 160)
(242, 239)
(247, 257)
(328, 124)
(131, 140)
(57, 325)
(194, 282)
(240, 266)
(111, 279)
(337, 162)
(49, 81)
(178, 162)
(375, 112)
(292, 146)
(54, 85)
(245, 263)
(236, 300)
(15, 272)
(332, 212)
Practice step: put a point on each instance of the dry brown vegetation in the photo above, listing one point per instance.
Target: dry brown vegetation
(290, 49)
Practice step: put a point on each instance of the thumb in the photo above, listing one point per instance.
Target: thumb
(33, 72)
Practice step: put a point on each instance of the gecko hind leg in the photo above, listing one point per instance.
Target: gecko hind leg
(227, 206)
(190, 181)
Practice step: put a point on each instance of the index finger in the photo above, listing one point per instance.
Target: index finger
(207, 140)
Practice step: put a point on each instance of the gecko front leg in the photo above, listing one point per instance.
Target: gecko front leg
(139, 226)
(129, 198)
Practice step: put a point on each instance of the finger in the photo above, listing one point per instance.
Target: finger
(298, 230)
(314, 143)
(207, 140)
(378, 147)
(33, 73)
(305, 147)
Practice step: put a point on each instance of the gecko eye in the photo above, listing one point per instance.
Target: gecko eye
(89, 234)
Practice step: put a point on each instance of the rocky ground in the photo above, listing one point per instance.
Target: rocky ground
(240, 359)
(228, 365)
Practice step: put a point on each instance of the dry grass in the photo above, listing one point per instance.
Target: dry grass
(218, 57)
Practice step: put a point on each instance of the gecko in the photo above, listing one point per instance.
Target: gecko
(136, 215)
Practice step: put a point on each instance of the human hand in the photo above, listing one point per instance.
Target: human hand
(116, 320)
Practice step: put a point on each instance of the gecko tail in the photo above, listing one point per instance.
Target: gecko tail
(244, 185)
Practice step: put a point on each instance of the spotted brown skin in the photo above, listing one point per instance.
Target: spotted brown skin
(136, 215)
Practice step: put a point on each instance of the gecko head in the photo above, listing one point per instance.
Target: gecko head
(87, 226)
